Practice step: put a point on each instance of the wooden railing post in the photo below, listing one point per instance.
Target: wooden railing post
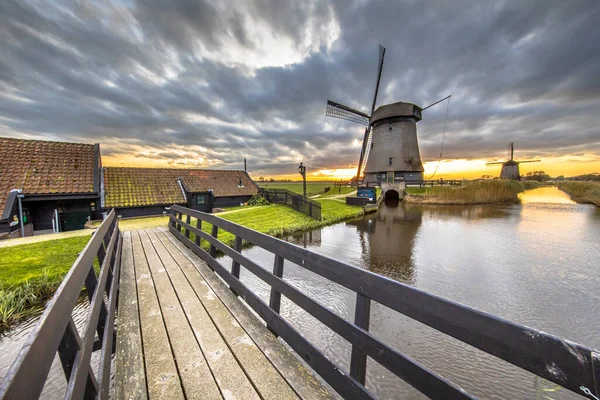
(213, 249)
(188, 219)
(358, 359)
(275, 298)
(174, 214)
(235, 266)
(199, 226)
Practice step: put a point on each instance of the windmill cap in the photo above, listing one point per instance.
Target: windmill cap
(396, 110)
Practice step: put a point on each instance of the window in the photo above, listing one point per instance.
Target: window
(200, 199)
(390, 160)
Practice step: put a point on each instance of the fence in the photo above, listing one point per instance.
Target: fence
(529, 349)
(438, 182)
(294, 200)
(56, 330)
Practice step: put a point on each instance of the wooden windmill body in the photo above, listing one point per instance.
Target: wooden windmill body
(390, 151)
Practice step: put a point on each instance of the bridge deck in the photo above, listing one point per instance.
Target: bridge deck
(181, 333)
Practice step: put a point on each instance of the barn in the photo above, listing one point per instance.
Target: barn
(151, 191)
(56, 184)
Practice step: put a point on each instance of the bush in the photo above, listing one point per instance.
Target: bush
(258, 200)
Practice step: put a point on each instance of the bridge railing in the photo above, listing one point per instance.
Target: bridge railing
(294, 200)
(529, 349)
(56, 330)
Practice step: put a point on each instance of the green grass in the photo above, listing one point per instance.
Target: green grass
(336, 191)
(582, 192)
(277, 219)
(480, 192)
(296, 187)
(30, 273)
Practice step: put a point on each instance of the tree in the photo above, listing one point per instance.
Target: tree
(261, 178)
(540, 176)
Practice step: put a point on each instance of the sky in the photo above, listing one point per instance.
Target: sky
(207, 84)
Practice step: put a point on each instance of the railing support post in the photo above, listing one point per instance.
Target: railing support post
(235, 266)
(358, 359)
(188, 220)
(213, 249)
(174, 214)
(275, 298)
(199, 226)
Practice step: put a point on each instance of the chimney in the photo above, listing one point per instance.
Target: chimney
(245, 164)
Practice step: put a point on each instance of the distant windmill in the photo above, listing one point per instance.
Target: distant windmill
(390, 151)
(510, 168)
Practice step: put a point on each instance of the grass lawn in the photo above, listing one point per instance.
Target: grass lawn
(296, 187)
(277, 219)
(30, 273)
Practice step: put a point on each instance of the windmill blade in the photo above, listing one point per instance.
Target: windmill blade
(337, 110)
(433, 104)
(379, 70)
(526, 161)
(495, 163)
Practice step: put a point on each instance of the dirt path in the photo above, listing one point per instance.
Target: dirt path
(44, 238)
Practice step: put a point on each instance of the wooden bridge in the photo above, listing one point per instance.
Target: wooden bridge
(167, 321)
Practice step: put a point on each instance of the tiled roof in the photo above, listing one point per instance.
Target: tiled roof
(136, 187)
(42, 167)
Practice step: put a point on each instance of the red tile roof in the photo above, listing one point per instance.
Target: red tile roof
(136, 187)
(42, 167)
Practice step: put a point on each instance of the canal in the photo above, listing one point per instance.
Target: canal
(534, 263)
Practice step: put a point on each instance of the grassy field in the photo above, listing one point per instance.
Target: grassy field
(582, 192)
(30, 273)
(296, 187)
(277, 219)
(480, 192)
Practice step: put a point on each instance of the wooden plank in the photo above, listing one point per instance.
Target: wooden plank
(130, 377)
(162, 378)
(194, 373)
(26, 377)
(530, 349)
(229, 375)
(421, 378)
(301, 379)
(263, 374)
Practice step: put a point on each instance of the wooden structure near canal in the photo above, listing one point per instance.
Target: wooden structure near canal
(184, 328)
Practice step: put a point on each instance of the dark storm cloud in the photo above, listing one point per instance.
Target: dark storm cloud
(169, 80)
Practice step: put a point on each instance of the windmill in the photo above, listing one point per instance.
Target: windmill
(510, 168)
(390, 150)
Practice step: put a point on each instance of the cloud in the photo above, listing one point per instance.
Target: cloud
(208, 83)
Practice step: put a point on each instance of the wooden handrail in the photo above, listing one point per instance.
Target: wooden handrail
(56, 331)
(527, 348)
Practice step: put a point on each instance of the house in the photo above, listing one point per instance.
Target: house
(151, 191)
(57, 185)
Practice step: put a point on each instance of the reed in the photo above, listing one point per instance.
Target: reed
(581, 192)
(481, 192)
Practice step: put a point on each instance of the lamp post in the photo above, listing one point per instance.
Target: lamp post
(302, 171)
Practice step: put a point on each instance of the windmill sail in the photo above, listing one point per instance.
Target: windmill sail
(337, 110)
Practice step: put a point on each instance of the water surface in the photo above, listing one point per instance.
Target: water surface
(535, 263)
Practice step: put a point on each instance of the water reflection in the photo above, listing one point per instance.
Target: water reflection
(387, 239)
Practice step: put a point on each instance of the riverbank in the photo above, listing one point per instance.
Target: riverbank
(581, 192)
(31, 273)
(480, 192)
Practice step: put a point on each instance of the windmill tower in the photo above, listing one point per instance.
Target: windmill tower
(510, 168)
(390, 150)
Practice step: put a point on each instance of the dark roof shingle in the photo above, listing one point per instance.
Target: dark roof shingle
(137, 187)
(43, 167)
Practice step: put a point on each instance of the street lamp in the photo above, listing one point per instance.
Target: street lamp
(302, 171)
